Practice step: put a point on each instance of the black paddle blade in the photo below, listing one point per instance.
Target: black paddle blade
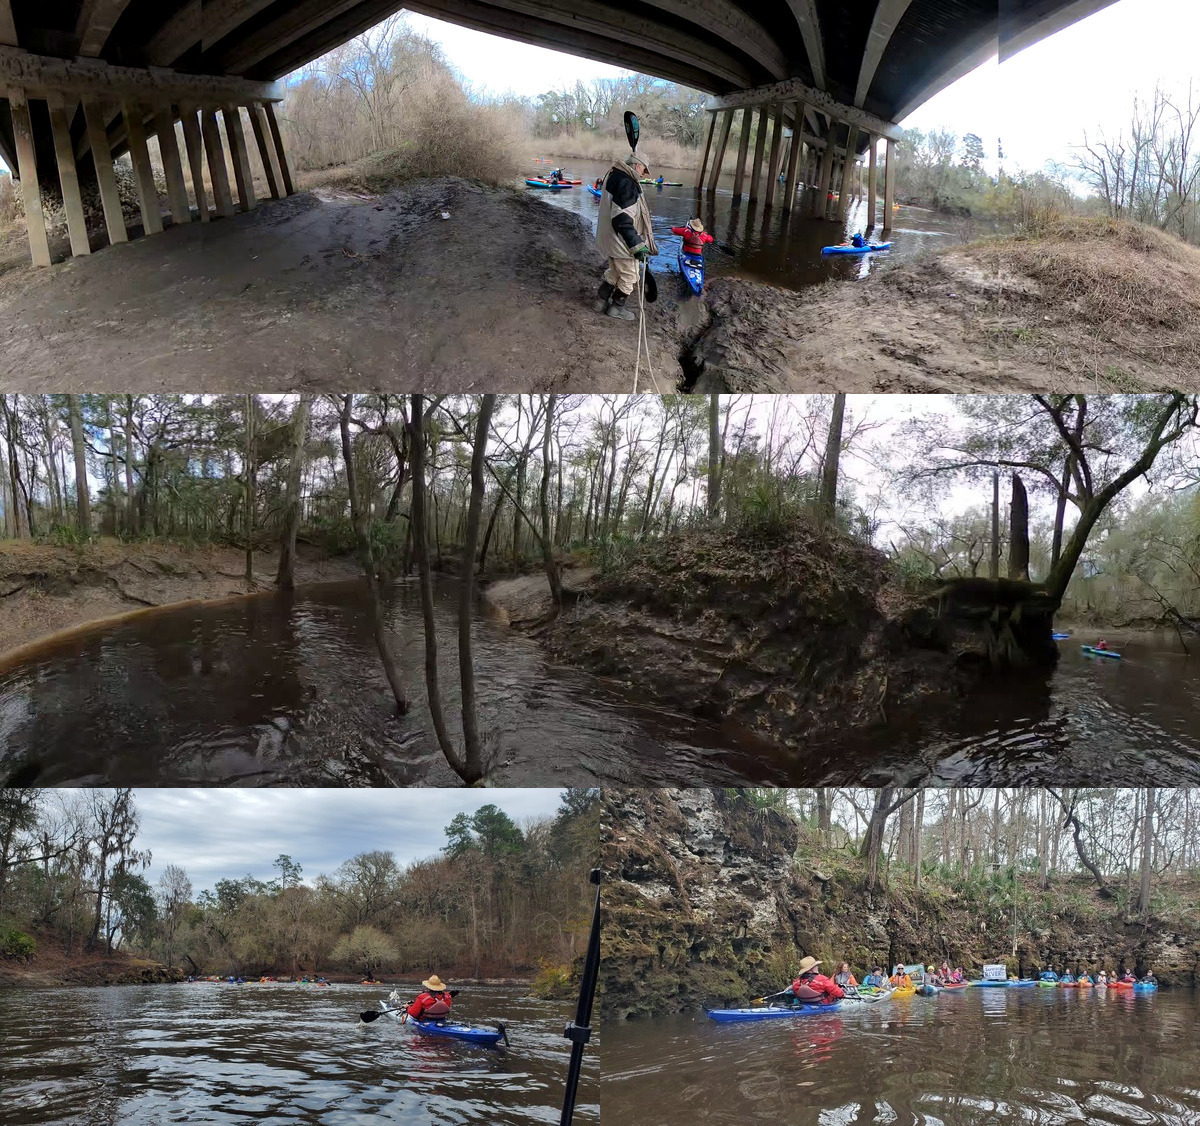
(632, 129)
(370, 1015)
(503, 1032)
(651, 287)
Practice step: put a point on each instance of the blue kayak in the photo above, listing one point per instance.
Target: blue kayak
(547, 185)
(727, 1016)
(692, 270)
(866, 248)
(488, 1036)
(595, 191)
(1060, 636)
(1092, 651)
(927, 990)
(1020, 983)
(1145, 987)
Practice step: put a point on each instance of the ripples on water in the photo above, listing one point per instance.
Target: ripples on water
(224, 1054)
(970, 1059)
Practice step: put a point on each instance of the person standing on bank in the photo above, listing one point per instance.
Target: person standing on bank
(623, 234)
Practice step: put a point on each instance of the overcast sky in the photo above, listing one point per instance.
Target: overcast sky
(216, 834)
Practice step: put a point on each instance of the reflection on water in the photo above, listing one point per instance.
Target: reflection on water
(274, 690)
(223, 1054)
(768, 244)
(1125, 722)
(982, 1056)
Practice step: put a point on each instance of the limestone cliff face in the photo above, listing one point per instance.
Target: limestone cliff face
(708, 899)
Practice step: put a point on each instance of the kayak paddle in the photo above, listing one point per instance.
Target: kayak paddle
(579, 1031)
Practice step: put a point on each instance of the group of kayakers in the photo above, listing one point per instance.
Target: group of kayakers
(1100, 977)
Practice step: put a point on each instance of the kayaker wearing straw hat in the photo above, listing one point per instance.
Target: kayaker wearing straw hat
(433, 1003)
(623, 234)
(811, 986)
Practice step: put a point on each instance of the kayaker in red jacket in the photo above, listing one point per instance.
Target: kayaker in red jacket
(812, 987)
(694, 237)
(433, 1003)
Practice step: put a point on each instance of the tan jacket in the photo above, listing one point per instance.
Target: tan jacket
(610, 243)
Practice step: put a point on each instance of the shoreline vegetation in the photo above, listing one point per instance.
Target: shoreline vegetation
(500, 902)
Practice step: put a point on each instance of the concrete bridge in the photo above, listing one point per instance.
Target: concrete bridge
(84, 81)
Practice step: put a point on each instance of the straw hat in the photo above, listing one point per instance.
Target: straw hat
(638, 158)
(696, 225)
(435, 984)
(807, 965)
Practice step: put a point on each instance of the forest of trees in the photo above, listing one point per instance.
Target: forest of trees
(489, 484)
(1129, 847)
(499, 900)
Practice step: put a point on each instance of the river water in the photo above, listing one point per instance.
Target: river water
(274, 690)
(982, 1056)
(223, 1054)
(766, 244)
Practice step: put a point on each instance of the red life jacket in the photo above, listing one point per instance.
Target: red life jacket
(693, 241)
(817, 987)
(429, 1005)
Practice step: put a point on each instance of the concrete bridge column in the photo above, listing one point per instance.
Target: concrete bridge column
(31, 195)
(872, 182)
(135, 132)
(776, 156)
(821, 199)
(848, 169)
(168, 147)
(708, 140)
(266, 149)
(195, 155)
(106, 181)
(68, 174)
(794, 157)
(760, 144)
(218, 171)
(241, 156)
(719, 156)
(285, 168)
(889, 185)
(739, 178)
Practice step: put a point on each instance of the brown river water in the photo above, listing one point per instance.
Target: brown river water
(975, 1058)
(223, 1054)
(273, 690)
(767, 244)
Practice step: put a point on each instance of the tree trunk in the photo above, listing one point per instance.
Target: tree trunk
(1060, 512)
(833, 455)
(1143, 903)
(83, 500)
(1018, 531)
(285, 577)
(714, 455)
(552, 575)
(994, 568)
(367, 559)
(130, 500)
(472, 743)
(249, 513)
(421, 550)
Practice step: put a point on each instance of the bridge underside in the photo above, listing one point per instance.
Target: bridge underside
(77, 76)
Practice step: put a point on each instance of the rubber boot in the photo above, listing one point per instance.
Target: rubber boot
(604, 296)
(617, 308)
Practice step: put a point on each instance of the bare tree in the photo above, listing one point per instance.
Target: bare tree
(285, 577)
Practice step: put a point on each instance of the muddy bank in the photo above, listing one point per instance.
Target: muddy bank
(524, 600)
(708, 900)
(332, 287)
(46, 589)
(790, 632)
(54, 964)
(1093, 305)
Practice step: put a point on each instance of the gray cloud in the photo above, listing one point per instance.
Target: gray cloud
(217, 834)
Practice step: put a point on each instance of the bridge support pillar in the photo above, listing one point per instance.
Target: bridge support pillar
(218, 170)
(708, 140)
(889, 184)
(760, 144)
(872, 182)
(776, 156)
(285, 168)
(266, 150)
(195, 155)
(110, 199)
(739, 178)
(719, 155)
(168, 147)
(849, 168)
(31, 195)
(821, 200)
(68, 176)
(236, 136)
(794, 157)
(143, 175)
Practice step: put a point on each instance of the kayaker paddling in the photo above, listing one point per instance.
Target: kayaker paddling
(433, 1003)
(811, 987)
(623, 234)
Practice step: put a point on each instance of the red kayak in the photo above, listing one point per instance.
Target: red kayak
(955, 985)
(545, 181)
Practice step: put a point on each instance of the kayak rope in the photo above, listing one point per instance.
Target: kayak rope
(642, 338)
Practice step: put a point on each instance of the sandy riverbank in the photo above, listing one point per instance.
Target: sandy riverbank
(46, 590)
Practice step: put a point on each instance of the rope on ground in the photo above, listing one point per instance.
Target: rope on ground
(643, 338)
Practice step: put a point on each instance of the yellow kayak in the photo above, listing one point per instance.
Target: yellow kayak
(908, 991)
